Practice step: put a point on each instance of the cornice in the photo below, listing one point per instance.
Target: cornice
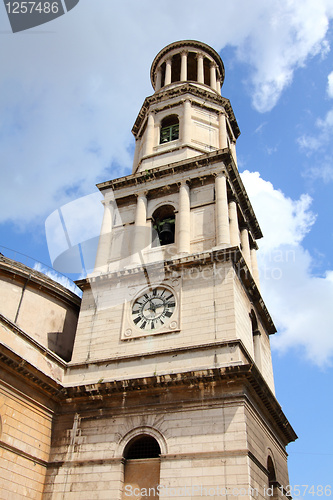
(28, 373)
(242, 374)
(47, 353)
(245, 374)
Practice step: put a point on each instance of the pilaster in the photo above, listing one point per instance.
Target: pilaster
(222, 216)
(184, 217)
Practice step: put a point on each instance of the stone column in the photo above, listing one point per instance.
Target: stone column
(221, 214)
(213, 76)
(186, 139)
(254, 265)
(158, 79)
(149, 135)
(167, 72)
(218, 86)
(140, 228)
(183, 67)
(233, 224)
(104, 242)
(233, 151)
(201, 78)
(246, 246)
(223, 136)
(184, 219)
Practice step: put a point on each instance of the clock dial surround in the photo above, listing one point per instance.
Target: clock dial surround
(153, 309)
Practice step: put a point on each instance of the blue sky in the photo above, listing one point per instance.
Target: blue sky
(69, 94)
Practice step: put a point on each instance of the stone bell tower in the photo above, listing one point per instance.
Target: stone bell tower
(170, 390)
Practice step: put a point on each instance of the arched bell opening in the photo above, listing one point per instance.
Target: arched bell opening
(163, 226)
(141, 468)
(169, 129)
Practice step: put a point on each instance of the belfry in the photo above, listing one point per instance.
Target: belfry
(168, 390)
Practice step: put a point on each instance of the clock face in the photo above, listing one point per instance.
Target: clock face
(153, 309)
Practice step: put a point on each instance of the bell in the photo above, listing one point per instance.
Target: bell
(167, 233)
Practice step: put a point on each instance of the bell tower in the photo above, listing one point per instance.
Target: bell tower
(186, 116)
(171, 382)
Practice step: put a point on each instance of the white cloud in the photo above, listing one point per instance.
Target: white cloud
(321, 144)
(330, 85)
(283, 38)
(322, 170)
(70, 91)
(299, 301)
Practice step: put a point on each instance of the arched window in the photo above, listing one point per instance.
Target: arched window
(271, 471)
(256, 339)
(169, 129)
(142, 468)
(272, 484)
(163, 222)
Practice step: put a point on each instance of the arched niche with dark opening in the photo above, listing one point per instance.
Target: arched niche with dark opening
(169, 129)
(142, 467)
(271, 471)
(163, 226)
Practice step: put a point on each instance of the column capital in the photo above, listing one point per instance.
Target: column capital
(199, 55)
(244, 225)
(220, 173)
(110, 202)
(184, 52)
(232, 198)
(184, 182)
(142, 194)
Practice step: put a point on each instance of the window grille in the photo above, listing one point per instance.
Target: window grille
(170, 133)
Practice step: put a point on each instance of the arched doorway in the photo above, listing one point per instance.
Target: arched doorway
(141, 468)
